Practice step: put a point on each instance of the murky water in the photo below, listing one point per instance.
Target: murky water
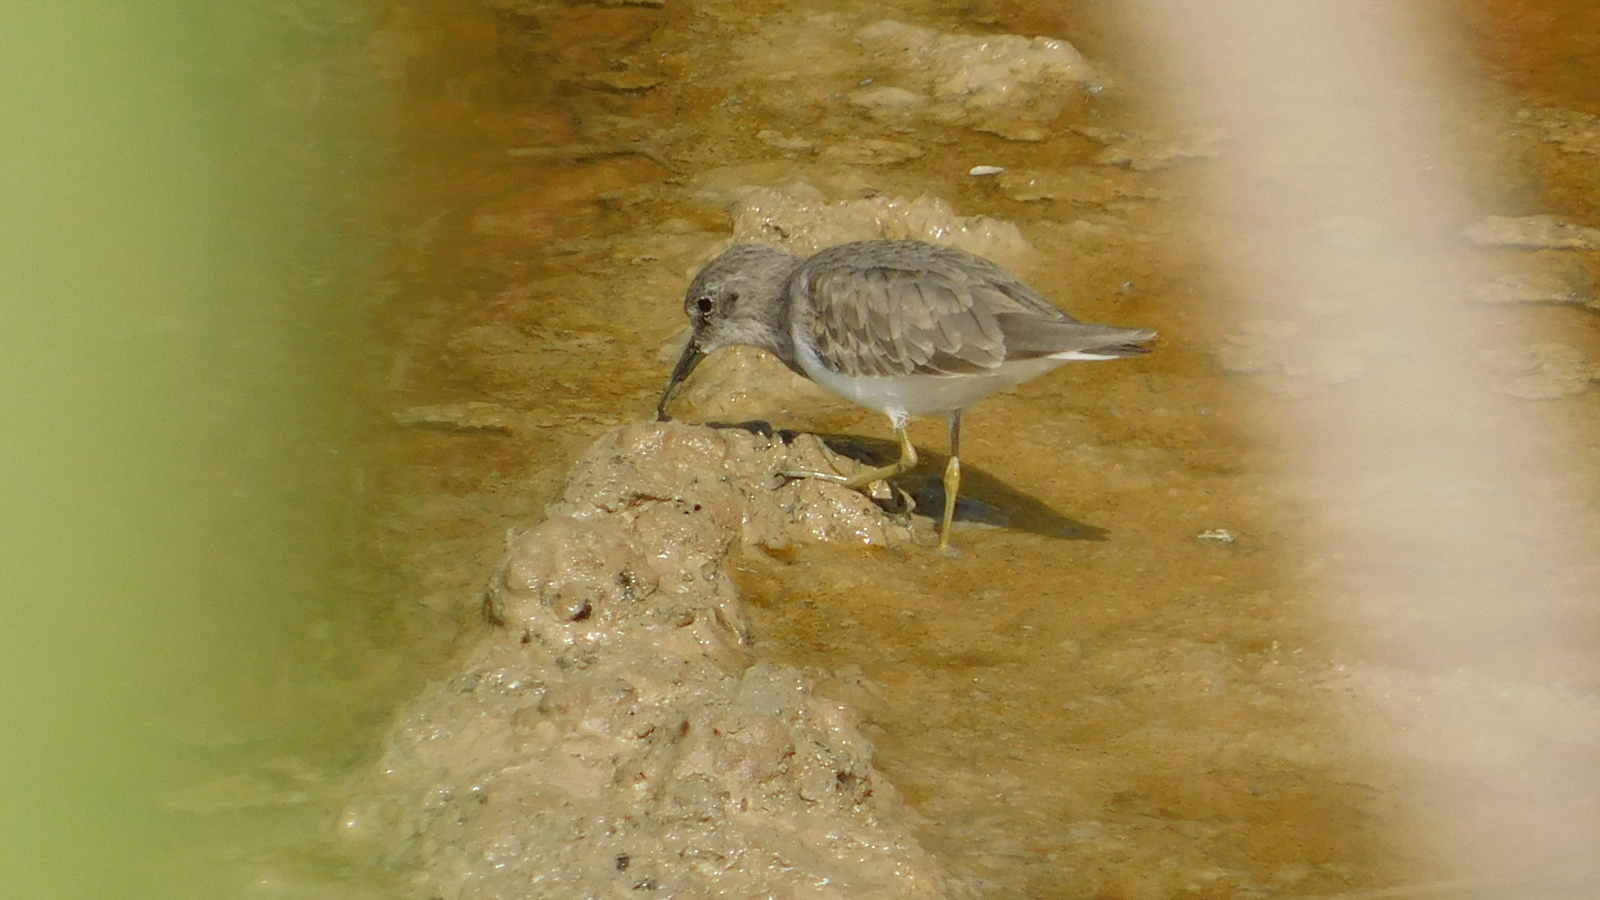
(1133, 691)
(1148, 713)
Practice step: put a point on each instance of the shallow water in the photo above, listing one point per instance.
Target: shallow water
(1097, 701)
(1156, 712)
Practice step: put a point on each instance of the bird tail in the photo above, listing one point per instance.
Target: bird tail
(1032, 339)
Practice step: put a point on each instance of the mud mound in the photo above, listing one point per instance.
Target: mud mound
(615, 734)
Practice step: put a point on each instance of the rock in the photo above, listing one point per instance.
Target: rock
(1571, 284)
(1295, 366)
(1152, 152)
(1009, 85)
(1543, 371)
(627, 81)
(1532, 233)
(1571, 131)
(613, 731)
(1256, 347)
(1436, 718)
(871, 152)
(889, 99)
(728, 187)
(776, 139)
(793, 218)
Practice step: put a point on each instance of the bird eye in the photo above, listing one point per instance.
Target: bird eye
(703, 304)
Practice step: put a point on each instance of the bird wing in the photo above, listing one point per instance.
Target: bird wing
(909, 308)
(1030, 338)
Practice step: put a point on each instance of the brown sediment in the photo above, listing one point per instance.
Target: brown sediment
(1131, 692)
(613, 729)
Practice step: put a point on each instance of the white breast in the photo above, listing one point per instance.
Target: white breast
(901, 396)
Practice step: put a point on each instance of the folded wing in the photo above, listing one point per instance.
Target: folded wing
(908, 308)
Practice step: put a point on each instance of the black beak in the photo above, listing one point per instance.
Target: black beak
(692, 354)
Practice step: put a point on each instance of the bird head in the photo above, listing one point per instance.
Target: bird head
(737, 298)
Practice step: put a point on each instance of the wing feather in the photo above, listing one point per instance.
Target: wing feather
(878, 308)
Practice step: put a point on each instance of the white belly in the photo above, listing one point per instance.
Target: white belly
(900, 396)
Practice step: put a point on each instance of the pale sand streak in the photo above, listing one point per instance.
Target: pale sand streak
(1428, 509)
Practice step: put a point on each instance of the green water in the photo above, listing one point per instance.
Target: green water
(188, 252)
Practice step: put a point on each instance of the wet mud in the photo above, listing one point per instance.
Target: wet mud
(1130, 683)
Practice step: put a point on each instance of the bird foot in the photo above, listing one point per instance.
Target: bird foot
(846, 471)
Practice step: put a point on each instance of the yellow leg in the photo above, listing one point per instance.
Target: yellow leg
(952, 486)
(908, 459)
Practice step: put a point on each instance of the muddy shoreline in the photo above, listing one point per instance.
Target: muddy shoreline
(1133, 687)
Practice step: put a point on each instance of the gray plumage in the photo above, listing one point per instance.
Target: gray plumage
(887, 309)
(912, 308)
(903, 327)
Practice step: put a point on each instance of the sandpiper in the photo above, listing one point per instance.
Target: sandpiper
(906, 328)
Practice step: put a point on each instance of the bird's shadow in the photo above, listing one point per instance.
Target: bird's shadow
(984, 499)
